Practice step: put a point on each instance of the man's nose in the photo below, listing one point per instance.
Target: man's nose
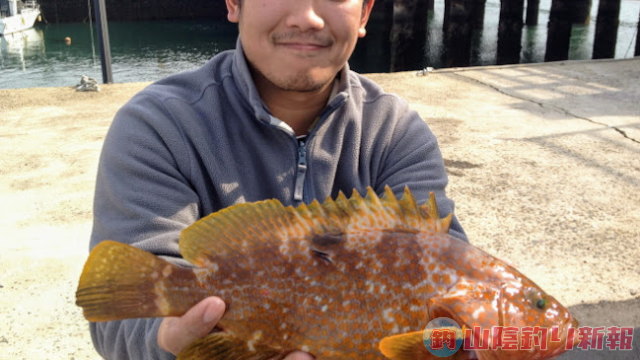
(304, 15)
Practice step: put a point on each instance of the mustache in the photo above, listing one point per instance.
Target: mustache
(302, 37)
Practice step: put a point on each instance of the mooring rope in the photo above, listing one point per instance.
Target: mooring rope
(93, 48)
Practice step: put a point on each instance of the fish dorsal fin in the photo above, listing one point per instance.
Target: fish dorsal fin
(232, 232)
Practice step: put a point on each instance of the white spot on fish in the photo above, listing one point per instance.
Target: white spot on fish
(257, 335)
(324, 308)
(166, 271)
(386, 315)
(476, 313)
(370, 286)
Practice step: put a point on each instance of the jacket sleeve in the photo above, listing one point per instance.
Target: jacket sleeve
(413, 159)
(142, 198)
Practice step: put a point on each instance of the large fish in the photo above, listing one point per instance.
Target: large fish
(355, 278)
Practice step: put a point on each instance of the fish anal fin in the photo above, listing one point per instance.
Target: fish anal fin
(223, 346)
(407, 346)
(120, 281)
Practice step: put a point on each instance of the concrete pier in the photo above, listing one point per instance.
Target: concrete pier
(542, 161)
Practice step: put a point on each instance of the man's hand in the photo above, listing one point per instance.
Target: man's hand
(175, 333)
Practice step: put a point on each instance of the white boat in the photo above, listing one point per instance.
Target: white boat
(14, 19)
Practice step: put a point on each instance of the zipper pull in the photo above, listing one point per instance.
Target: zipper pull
(298, 191)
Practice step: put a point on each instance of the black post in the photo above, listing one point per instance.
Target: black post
(533, 7)
(457, 33)
(103, 39)
(510, 32)
(408, 35)
(604, 43)
(376, 46)
(581, 11)
(477, 15)
(637, 52)
(559, 31)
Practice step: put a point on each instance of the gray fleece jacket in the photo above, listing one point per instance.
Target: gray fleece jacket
(200, 141)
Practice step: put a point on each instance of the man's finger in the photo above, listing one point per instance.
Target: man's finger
(177, 332)
(299, 355)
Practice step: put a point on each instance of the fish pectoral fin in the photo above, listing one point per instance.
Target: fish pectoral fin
(221, 345)
(407, 346)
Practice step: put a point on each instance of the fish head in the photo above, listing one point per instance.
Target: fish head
(512, 319)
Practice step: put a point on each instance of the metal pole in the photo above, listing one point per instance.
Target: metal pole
(103, 39)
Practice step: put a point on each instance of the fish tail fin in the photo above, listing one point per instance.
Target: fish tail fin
(221, 345)
(120, 281)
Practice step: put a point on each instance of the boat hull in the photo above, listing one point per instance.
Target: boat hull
(22, 21)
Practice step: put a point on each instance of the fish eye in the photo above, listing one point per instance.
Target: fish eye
(541, 303)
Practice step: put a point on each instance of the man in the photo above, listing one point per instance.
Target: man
(279, 117)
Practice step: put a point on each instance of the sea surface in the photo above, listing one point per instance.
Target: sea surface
(148, 51)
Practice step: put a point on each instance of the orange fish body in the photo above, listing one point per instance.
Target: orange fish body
(354, 278)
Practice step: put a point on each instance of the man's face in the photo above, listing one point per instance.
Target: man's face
(299, 45)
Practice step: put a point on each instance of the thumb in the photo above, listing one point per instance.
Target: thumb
(175, 333)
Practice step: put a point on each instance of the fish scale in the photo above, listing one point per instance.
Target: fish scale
(351, 278)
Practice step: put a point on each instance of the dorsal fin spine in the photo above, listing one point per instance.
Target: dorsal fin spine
(268, 223)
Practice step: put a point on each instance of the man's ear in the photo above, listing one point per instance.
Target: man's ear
(233, 10)
(366, 12)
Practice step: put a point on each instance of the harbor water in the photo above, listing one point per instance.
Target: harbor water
(148, 51)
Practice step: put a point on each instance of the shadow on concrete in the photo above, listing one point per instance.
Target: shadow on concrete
(557, 144)
(587, 89)
(608, 313)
